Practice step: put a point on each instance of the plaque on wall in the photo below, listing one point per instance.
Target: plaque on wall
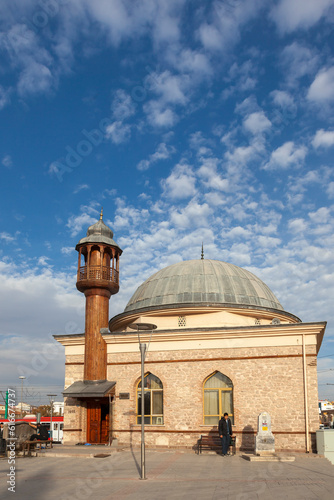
(124, 395)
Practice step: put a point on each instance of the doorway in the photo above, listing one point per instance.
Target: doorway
(97, 422)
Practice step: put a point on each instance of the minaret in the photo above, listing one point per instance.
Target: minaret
(98, 279)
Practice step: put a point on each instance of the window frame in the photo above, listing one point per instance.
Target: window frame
(220, 390)
(152, 415)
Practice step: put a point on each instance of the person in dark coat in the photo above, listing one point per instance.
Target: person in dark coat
(42, 433)
(225, 433)
(2, 441)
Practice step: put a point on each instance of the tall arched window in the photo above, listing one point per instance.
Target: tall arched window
(153, 400)
(218, 398)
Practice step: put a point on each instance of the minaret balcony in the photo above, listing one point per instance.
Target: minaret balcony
(98, 273)
(98, 276)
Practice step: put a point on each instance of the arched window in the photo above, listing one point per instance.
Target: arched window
(153, 401)
(218, 398)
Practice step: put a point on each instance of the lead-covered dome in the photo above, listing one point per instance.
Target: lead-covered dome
(197, 282)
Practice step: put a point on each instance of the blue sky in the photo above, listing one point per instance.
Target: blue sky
(187, 121)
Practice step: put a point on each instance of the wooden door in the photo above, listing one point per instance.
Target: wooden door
(93, 422)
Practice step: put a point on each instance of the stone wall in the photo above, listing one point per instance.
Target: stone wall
(74, 421)
(264, 379)
(271, 384)
(74, 410)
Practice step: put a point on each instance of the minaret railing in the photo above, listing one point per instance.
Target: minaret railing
(105, 273)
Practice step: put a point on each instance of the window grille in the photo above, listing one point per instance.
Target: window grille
(182, 321)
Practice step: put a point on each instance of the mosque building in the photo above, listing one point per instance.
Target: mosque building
(222, 343)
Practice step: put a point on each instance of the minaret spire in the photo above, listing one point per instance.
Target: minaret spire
(202, 254)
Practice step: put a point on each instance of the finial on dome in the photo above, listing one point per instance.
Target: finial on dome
(202, 254)
(101, 214)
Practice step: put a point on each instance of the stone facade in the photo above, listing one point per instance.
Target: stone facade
(267, 378)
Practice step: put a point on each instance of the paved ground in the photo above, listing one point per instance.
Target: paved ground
(170, 475)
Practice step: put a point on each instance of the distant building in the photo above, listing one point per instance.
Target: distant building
(24, 407)
(325, 405)
(58, 407)
(223, 343)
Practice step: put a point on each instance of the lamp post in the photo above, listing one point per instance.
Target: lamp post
(142, 347)
(22, 377)
(51, 404)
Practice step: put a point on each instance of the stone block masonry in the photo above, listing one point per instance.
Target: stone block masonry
(267, 378)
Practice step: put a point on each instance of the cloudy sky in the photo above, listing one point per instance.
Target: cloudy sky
(188, 121)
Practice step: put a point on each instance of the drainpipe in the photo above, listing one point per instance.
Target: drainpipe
(305, 398)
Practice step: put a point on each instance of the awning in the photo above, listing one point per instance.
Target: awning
(89, 389)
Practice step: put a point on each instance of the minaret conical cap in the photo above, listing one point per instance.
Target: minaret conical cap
(99, 233)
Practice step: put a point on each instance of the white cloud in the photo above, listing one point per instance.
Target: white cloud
(286, 156)
(126, 18)
(257, 123)
(4, 96)
(247, 106)
(191, 61)
(43, 261)
(81, 187)
(291, 15)
(210, 177)
(158, 115)
(238, 232)
(238, 211)
(67, 250)
(35, 79)
(243, 77)
(180, 184)
(171, 88)
(48, 303)
(7, 237)
(240, 254)
(320, 216)
(122, 106)
(7, 161)
(268, 241)
(323, 138)
(282, 98)
(192, 216)
(330, 190)
(118, 132)
(210, 37)
(243, 155)
(163, 152)
(128, 216)
(227, 20)
(297, 225)
(297, 61)
(322, 88)
(77, 224)
(34, 62)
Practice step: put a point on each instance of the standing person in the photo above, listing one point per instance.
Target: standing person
(2, 441)
(225, 433)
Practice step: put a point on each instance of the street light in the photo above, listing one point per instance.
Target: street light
(22, 377)
(142, 347)
(51, 404)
